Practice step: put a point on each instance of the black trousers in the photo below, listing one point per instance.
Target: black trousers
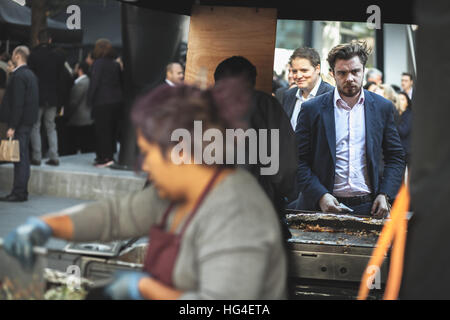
(80, 138)
(106, 120)
(22, 168)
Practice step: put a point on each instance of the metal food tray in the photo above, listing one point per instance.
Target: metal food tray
(32, 284)
(334, 221)
(338, 229)
(110, 249)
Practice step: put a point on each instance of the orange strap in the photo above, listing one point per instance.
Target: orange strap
(394, 231)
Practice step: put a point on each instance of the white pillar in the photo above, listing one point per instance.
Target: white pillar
(395, 53)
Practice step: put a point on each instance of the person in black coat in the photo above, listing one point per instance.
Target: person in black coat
(105, 97)
(48, 66)
(19, 110)
(267, 113)
(404, 123)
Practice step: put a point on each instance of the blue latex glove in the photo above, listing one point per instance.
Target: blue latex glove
(125, 286)
(20, 242)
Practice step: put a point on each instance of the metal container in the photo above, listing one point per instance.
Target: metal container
(330, 253)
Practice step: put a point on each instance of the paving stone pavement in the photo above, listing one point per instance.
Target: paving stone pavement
(12, 214)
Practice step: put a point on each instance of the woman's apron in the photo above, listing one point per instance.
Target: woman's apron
(164, 246)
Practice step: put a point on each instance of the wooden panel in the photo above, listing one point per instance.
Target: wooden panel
(217, 33)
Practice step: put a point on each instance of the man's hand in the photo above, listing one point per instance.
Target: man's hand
(380, 207)
(10, 133)
(328, 203)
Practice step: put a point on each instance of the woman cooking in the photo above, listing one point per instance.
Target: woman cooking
(213, 232)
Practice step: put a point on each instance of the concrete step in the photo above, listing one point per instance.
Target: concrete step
(76, 178)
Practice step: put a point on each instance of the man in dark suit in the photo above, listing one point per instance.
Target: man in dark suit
(174, 74)
(280, 92)
(19, 110)
(305, 64)
(341, 137)
(266, 113)
(48, 66)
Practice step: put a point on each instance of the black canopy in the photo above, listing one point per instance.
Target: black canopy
(399, 11)
(15, 24)
(98, 20)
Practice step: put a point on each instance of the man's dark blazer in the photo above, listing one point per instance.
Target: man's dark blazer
(20, 105)
(48, 66)
(404, 130)
(266, 113)
(280, 94)
(316, 139)
(290, 97)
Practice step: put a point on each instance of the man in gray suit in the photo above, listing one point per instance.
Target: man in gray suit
(78, 114)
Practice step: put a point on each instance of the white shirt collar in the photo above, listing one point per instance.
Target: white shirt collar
(80, 78)
(170, 83)
(16, 68)
(313, 91)
(337, 97)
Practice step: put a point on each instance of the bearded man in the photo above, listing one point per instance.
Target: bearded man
(341, 137)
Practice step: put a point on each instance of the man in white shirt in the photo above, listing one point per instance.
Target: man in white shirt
(174, 74)
(305, 64)
(80, 129)
(342, 136)
(407, 83)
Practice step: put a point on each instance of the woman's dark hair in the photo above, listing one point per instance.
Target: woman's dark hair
(347, 51)
(163, 110)
(409, 106)
(368, 84)
(84, 67)
(103, 49)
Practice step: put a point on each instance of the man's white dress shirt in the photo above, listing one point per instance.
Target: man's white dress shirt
(351, 177)
(300, 100)
(170, 83)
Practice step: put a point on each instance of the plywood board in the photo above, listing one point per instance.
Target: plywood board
(217, 33)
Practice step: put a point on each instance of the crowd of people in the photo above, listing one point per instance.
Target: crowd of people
(80, 108)
(401, 97)
(217, 229)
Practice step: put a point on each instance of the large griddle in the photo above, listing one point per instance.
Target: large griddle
(333, 229)
(330, 252)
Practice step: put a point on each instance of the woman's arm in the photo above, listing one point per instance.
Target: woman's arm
(62, 226)
(108, 220)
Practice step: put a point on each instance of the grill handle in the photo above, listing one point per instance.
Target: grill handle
(37, 250)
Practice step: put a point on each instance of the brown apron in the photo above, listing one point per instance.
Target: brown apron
(164, 246)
